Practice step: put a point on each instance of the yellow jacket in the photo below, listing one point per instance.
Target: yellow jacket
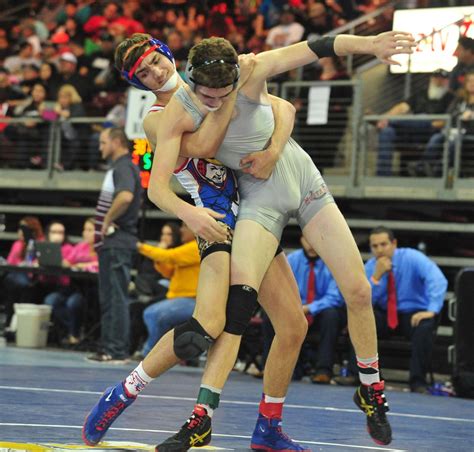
(180, 265)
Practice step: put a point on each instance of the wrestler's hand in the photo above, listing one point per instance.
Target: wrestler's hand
(390, 43)
(246, 63)
(260, 164)
(203, 223)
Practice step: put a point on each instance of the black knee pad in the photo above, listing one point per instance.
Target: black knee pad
(241, 304)
(191, 340)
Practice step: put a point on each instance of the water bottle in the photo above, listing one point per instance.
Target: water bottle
(30, 254)
(344, 368)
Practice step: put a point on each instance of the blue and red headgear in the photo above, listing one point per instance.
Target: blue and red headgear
(155, 46)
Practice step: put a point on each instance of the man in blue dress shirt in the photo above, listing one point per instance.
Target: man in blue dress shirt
(408, 291)
(322, 303)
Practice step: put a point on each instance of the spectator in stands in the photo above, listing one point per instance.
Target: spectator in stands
(49, 12)
(68, 301)
(180, 52)
(30, 137)
(268, 16)
(287, 32)
(4, 46)
(435, 99)
(319, 21)
(181, 266)
(408, 291)
(25, 56)
(73, 136)
(323, 306)
(461, 109)
(28, 34)
(465, 54)
(68, 76)
(18, 286)
(150, 285)
(48, 75)
(29, 76)
(115, 241)
(9, 94)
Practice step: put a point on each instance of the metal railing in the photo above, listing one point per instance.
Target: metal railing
(345, 147)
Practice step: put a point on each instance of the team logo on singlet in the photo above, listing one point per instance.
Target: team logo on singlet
(211, 185)
(312, 195)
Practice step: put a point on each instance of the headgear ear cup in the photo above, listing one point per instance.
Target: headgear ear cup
(157, 46)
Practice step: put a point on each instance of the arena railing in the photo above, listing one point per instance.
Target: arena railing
(407, 172)
(331, 143)
(345, 149)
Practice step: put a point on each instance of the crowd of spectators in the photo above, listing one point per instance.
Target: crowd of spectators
(71, 42)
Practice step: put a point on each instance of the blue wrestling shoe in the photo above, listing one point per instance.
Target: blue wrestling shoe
(268, 436)
(109, 407)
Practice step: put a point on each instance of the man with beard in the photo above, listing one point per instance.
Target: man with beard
(435, 99)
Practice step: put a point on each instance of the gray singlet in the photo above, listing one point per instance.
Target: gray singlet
(295, 188)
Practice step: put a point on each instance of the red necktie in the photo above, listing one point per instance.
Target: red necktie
(392, 317)
(311, 292)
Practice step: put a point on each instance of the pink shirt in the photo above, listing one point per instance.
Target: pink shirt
(83, 253)
(14, 256)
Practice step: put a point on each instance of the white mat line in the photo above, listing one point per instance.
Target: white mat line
(239, 402)
(221, 435)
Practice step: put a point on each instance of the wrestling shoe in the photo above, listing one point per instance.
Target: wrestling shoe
(268, 436)
(196, 432)
(109, 407)
(371, 400)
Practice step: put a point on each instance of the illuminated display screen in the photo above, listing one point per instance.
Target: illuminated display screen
(143, 158)
(437, 31)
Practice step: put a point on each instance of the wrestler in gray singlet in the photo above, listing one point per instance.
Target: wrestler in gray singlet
(295, 187)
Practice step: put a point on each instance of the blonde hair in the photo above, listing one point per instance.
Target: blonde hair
(72, 92)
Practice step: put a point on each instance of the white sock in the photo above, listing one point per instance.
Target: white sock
(368, 370)
(269, 399)
(137, 380)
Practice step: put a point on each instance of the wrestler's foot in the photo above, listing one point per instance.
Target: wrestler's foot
(196, 432)
(109, 407)
(371, 400)
(268, 436)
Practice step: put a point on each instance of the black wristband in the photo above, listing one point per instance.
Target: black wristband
(322, 47)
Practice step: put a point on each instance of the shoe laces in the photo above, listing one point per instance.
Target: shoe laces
(280, 431)
(196, 418)
(377, 395)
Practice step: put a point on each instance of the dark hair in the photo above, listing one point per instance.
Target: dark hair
(34, 224)
(129, 50)
(467, 43)
(175, 233)
(383, 230)
(118, 133)
(214, 75)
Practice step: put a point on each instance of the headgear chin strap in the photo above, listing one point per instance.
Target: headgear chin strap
(190, 68)
(155, 46)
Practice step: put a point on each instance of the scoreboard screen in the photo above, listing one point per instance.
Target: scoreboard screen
(142, 156)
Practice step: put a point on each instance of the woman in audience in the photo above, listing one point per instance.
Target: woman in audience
(30, 137)
(150, 286)
(18, 286)
(69, 105)
(67, 302)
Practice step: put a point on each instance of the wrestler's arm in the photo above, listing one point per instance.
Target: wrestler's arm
(170, 128)
(260, 164)
(383, 46)
(205, 141)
